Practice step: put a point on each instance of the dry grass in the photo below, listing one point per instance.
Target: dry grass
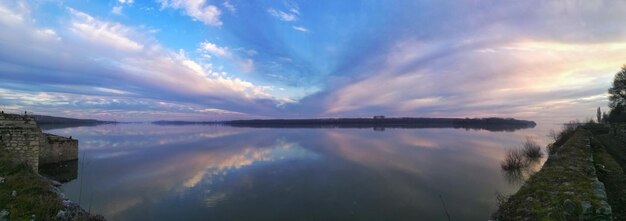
(514, 160)
(531, 149)
(520, 158)
(559, 138)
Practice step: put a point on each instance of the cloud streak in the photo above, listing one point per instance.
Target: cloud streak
(100, 54)
(523, 59)
(300, 28)
(282, 15)
(197, 9)
(487, 68)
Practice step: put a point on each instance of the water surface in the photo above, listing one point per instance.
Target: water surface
(200, 172)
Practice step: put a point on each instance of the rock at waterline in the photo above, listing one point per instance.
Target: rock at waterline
(569, 206)
(61, 214)
(4, 215)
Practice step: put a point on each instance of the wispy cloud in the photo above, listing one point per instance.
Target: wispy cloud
(113, 52)
(531, 77)
(198, 9)
(240, 57)
(282, 15)
(208, 49)
(229, 6)
(100, 32)
(246, 65)
(499, 60)
(117, 9)
(300, 28)
(121, 4)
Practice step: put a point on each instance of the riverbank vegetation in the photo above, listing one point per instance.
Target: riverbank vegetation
(522, 157)
(24, 194)
(562, 190)
(583, 178)
(610, 162)
(559, 138)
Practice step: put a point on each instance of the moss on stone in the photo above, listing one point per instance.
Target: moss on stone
(562, 190)
(611, 173)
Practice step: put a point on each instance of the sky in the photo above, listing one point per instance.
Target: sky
(142, 60)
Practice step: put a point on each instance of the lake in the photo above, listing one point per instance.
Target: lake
(208, 172)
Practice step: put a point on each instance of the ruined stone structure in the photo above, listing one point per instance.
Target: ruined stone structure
(21, 138)
(55, 149)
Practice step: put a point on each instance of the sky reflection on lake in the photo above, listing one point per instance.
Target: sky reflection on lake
(196, 172)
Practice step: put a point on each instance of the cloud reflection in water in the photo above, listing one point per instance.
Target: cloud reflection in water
(205, 172)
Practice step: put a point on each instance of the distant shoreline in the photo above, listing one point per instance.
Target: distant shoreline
(50, 122)
(491, 124)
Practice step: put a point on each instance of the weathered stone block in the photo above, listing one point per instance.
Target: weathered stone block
(56, 149)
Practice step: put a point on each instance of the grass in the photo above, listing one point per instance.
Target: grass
(564, 178)
(610, 159)
(615, 147)
(33, 197)
(612, 175)
(559, 138)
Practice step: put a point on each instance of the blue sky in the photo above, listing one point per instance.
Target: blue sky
(201, 59)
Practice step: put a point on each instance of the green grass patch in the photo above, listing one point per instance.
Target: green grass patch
(33, 194)
(560, 189)
(616, 147)
(611, 173)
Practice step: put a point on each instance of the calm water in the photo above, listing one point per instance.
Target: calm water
(150, 172)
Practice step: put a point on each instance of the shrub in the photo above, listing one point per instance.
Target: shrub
(531, 149)
(514, 160)
(559, 138)
(518, 162)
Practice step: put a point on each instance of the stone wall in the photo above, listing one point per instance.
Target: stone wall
(55, 149)
(566, 188)
(22, 139)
